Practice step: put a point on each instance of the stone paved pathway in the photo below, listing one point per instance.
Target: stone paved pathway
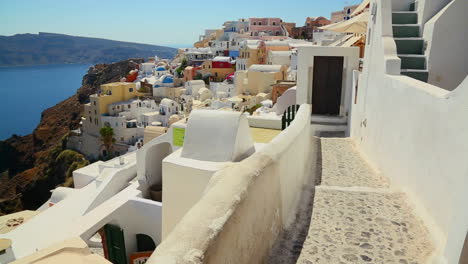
(352, 217)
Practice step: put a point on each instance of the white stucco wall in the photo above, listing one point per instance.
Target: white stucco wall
(447, 36)
(138, 216)
(184, 181)
(85, 175)
(150, 153)
(415, 134)
(429, 8)
(57, 223)
(246, 204)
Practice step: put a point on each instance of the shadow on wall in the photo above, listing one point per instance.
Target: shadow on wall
(153, 162)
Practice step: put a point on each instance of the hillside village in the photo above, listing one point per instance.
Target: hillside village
(339, 140)
(245, 66)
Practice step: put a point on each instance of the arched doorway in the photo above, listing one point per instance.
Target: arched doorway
(145, 243)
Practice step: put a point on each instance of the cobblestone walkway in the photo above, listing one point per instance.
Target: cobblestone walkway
(352, 217)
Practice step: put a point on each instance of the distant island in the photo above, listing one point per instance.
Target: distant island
(51, 48)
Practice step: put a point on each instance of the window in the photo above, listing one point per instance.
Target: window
(274, 23)
(129, 106)
(90, 119)
(259, 23)
(255, 23)
(95, 112)
(130, 90)
(94, 102)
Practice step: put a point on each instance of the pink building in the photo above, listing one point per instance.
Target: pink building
(267, 26)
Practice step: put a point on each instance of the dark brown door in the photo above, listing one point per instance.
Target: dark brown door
(326, 86)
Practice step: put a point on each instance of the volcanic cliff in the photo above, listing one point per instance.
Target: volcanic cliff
(32, 165)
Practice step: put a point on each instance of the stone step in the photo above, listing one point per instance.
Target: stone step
(343, 165)
(333, 120)
(409, 45)
(364, 227)
(421, 75)
(405, 31)
(404, 17)
(412, 61)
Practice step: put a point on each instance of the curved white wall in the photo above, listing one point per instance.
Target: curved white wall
(447, 37)
(417, 135)
(247, 204)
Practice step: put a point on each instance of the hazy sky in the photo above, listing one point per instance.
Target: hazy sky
(170, 23)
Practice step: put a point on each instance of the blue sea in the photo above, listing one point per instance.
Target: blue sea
(28, 90)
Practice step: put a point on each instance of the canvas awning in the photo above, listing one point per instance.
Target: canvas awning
(341, 40)
(360, 8)
(350, 42)
(357, 24)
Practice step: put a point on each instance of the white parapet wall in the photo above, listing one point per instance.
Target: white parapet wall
(246, 204)
(446, 32)
(416, 134)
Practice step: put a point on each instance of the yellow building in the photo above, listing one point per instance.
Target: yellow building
(266, 46)
(206, 42)
(248, 55)
(259, 78)
(216, 74)
(219, 74)
(206, 68)
(110, 93)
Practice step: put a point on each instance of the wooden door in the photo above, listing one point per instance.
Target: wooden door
(326, 85)
(115, 244)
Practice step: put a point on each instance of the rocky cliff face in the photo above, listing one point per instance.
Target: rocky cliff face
(32, 165)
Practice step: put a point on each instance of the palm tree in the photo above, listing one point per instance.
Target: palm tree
(107, 138)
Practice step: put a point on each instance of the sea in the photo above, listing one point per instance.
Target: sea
(28, 90)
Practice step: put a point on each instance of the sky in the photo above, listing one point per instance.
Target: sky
(168, 23)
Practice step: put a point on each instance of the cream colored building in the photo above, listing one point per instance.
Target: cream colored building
(259, 78)
(248, 55)
(110, 93)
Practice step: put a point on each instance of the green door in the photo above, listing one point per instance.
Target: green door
(115, 244)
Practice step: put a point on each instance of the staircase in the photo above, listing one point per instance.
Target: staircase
(410, 44)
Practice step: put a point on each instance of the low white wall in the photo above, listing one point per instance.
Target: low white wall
(416, 134)
(157, 142)
(429, 8)
(114, 180)
(447, 36)
(247, 204)
(267, 121)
